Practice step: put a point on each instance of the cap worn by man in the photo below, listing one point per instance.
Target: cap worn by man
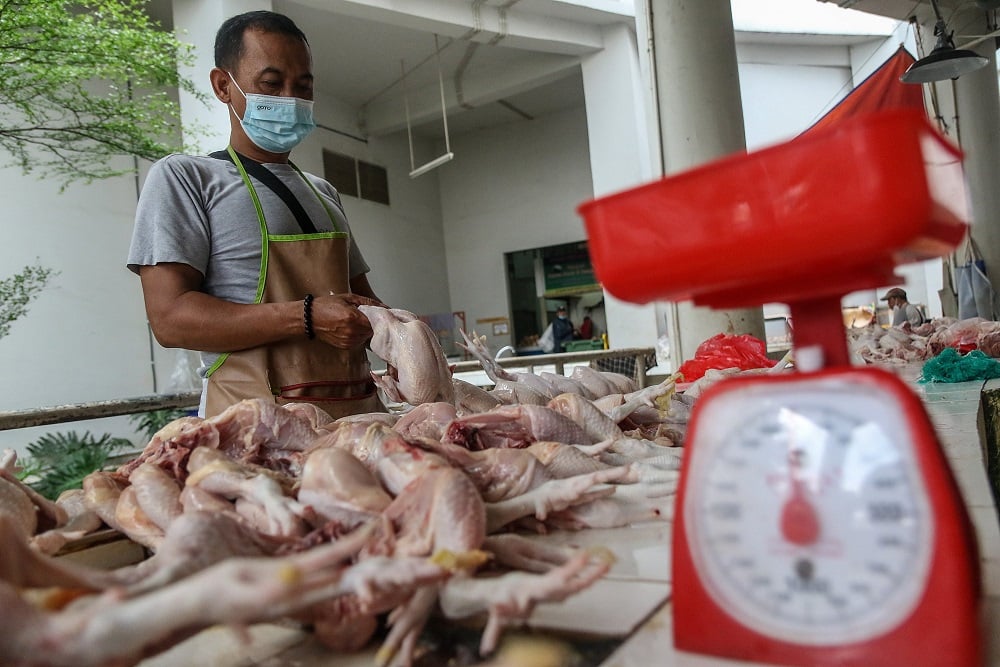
(895, 293)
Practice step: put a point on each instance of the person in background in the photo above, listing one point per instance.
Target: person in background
(586, 328)
(562, 329)
(903, 311)
(246, 258)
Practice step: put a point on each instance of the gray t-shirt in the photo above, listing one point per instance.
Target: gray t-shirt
(908, 313)
(196, 210)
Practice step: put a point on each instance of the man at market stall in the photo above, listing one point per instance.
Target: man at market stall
(903, 311)
(246, 258)
(562, 329)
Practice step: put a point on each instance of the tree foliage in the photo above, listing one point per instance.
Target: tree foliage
(150, 423)
(17, 291)
(84, 82)
(57, 462)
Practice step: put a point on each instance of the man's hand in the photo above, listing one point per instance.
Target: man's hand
(359, 300)
(338, 322)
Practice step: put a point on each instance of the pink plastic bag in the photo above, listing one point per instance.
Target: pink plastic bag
(721, 351)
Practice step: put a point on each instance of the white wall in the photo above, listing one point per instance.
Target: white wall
(779, 101)
(84, 338)
(511, 187)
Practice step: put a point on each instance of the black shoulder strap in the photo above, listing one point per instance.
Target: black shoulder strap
(264, 175)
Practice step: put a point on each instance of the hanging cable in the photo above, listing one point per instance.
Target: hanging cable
(444, 107)
(932, 88)
(406, 111)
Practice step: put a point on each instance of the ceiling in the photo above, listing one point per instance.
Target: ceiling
(362, 59)
(499, 60)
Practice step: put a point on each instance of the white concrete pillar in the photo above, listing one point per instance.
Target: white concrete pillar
(619, 156)
(701, 118)
(196, 22)
(977, 98)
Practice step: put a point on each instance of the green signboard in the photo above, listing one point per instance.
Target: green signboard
(567, 267)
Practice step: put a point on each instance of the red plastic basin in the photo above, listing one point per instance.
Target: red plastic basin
(832, 211)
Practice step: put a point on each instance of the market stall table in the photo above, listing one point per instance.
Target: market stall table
(625, 620)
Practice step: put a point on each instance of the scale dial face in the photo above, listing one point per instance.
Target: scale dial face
(806, 515)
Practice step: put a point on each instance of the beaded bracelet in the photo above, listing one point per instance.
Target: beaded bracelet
(307, 316)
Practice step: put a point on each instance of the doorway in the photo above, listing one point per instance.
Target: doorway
(540, 280)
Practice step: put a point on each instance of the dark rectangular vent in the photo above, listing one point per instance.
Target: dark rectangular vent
(356, 178)
(342, 172)
(374, 182)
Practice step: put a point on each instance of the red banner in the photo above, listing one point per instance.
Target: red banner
(881, 90)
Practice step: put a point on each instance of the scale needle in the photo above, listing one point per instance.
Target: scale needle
(799, 520)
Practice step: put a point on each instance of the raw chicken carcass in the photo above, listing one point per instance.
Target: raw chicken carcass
(470, 399)
(339, 488)
(262, 495)
(170, 447)
(511, 387)
(427, 420)
(134, 523)
(412, 349)
(22, 566)
(31, 509)
(80, 521)
(366, 418)
(157, 494)
(514, 426)
(119, 629)
(369, 443)
(439, 509)
(314, 416)
(513, 597)
(599, 383)
(595, 423)
(260, 431)
(566, 385)
(557, 494)
(101, 492)
(16, 505)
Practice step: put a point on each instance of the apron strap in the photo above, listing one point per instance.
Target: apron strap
(264, 175)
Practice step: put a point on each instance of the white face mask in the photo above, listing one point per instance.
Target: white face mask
(275, 124)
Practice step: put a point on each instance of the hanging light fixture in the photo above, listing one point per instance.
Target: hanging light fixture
(944, 61)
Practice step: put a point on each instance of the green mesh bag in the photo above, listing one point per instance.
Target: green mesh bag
(950, 366)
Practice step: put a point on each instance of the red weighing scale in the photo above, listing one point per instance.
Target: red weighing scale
(817, 520)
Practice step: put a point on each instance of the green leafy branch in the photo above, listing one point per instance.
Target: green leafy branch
(86, 81)
(57, 462)
(18, 291)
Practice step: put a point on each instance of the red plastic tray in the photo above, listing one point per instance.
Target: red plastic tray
(829, 212)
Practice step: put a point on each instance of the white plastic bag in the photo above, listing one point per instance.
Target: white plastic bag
(975, 294)
(547, 341)
(184, 377)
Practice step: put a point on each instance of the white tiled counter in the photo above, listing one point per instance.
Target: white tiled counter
(955, 411)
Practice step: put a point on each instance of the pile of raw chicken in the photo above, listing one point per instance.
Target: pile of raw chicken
(873, 344)
(367, 525)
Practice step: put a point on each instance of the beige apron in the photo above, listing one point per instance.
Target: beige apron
(335, 380)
